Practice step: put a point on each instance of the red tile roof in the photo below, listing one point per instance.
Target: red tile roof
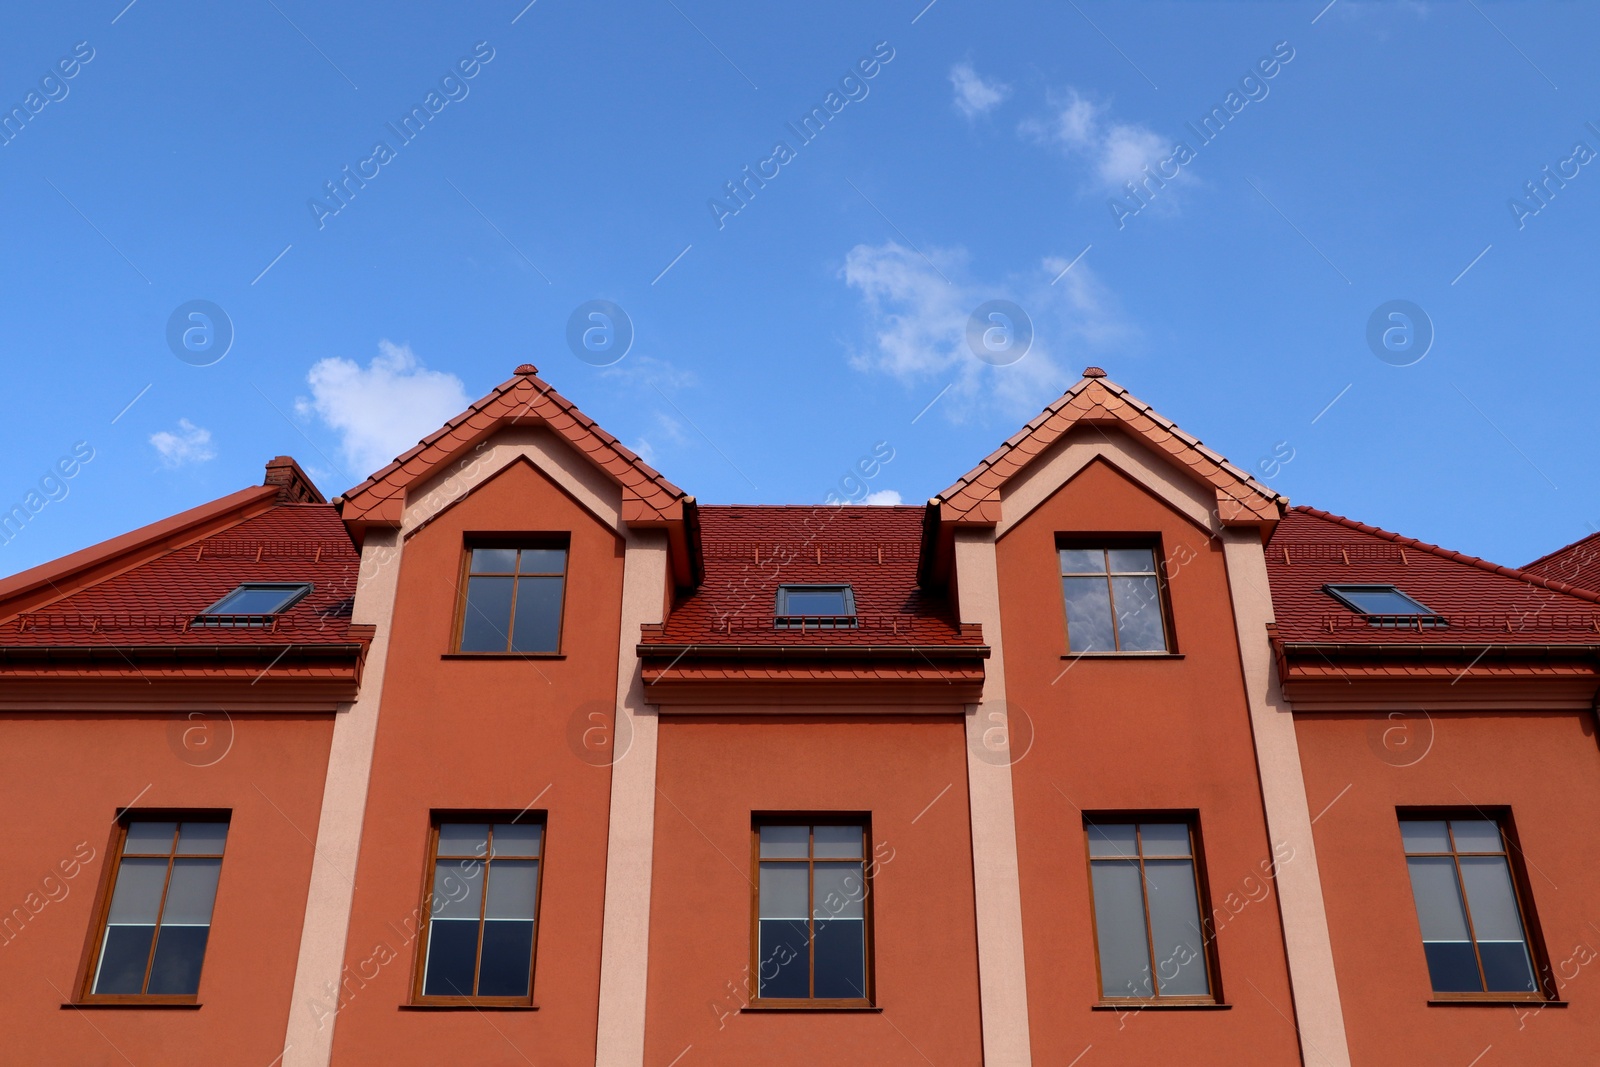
(751, 550)
(523, 399)
(1577, 564)
(1095, 399)
(1482, 603)
(154, 602)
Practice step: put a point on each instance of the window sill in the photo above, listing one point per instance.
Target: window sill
(503, 655)
(765, 1009)
(1159, 1005)
(468, 1006)
(1492, 1002)
(1122, 655)
(162, 1005)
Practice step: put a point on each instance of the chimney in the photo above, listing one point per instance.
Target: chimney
(294, 487)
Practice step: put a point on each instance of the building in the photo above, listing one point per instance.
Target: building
(515, 753)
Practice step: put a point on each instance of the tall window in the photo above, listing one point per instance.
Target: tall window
(812, 936)
(483, 907)
(1473, 933)
(152, 938)
(513, 599)
(1147, 907)
(1113, 598)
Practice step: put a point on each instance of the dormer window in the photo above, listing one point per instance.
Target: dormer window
(816, 607)
(1385, 605)
(253, 604)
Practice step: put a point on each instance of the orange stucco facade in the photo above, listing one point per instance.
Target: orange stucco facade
(935, 707)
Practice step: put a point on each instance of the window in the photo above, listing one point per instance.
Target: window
(816, 607)
(513, 599)
(1467, 894)
(1385, 604)
(151, 939)
(812, 939)
(1113, 598)
(483, 907)
(1147, 909)
(253, 604)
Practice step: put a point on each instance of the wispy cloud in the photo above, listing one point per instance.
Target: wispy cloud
(191, 444)
(916, 326)
(974, 96)
(882, 498)
(384, 408)
(1115, 152)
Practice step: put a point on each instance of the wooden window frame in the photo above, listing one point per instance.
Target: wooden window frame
(89, 964)
(1522, 890)
(825, 818)
(1105, 543)
(1191, 819)
(465, 574)
(419, 970)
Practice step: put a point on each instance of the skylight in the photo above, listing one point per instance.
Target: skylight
(253, 604)
(1385, 604)
(816, 606)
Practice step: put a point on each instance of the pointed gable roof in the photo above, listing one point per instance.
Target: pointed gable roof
(648, 499)
(1096, 400)
(1576, 564)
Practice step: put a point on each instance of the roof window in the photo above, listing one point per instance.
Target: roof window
(1385, 605)
(253, 604)
(816, 607)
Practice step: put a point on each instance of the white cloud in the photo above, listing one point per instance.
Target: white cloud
(974, 96)
(1116, 152)
(191, 444)
(882, 498)
(383, 409)
(917, 312)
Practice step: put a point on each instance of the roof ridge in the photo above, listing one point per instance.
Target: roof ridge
(1559, 551)
(133, 548)
(1452, 554)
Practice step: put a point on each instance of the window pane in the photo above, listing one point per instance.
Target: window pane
(452, 955)
(1175, 928)
(1380, 600)
(784, 969)
(785, 842)
(538, 623)
(1452, 965)
(1132, 560)
(507, 961)
(1120, 930)
(815, 602)
(180, 950)
(1476, 835)
(544, 561)
(457, 889)
(191, 893)
(256, 601)
(837, 842)
(841, 955)
(463, 838)
(513, 887)
(1497, 924)
(123, 959)
(149, 837)
(1112, 839)
(1088, 615)
(783, 891)
(517, 839)
(487, 614)
(1139, 623)
(206, 838)
(137, 897)
(1164, 838)
(1424, 835)
(1083, 561)
(839, 891)
(496, 560)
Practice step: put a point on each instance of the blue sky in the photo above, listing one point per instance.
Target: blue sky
(776, 346)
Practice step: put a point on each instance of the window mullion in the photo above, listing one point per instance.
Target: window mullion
(155, 935)
(1144, 897)
(1466, 908)
(811, 913)
(483, 908)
